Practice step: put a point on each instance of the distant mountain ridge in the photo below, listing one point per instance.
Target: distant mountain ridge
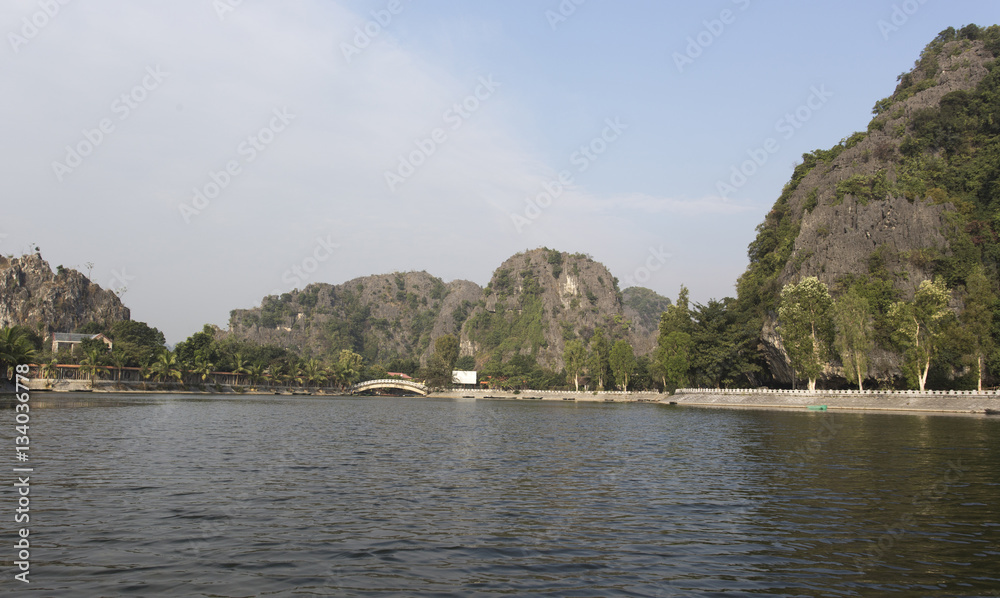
(535, 302)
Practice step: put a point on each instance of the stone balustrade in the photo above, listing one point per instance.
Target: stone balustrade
(822, 393)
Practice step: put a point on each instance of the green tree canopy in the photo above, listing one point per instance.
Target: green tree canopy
(673, 355)
(466, 363)
(15, 348)
(446, 349)
(977, 320)
(138, 341)
(855, 337)
(920, 326)
(92, 363)
(349, 366)
(597, 364)
(805, 323)
(575, 356)
(673, 348)
(622, 361)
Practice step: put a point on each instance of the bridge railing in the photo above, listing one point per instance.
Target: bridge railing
(416, 385)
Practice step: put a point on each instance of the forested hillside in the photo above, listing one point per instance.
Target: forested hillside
(516, 328)
(914, 198)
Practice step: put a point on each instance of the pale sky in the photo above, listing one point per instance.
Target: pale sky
(348, 138)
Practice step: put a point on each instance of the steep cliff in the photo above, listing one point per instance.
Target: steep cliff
(644, 308)
(913, 197)
(382, 317)
(541, 299)
(535, 302)
(32, 295)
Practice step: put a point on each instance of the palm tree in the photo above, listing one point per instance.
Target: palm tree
(15, 349)
(256, 373)
(166, 366)
(145, 371)
(333, 375)
(349, 366)
(278, 375)
(202, 366)
(239, 367)
(313, 372)
(51, 369)
(90, 365)
(118, 360)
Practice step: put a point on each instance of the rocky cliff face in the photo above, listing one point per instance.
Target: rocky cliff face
(891, 203)
(535, 302)
(539, 300)
(32, 295)
(854, 205)
(643, 307)
(382, 317)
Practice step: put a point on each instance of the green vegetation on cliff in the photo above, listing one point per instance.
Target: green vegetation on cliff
(935, 145)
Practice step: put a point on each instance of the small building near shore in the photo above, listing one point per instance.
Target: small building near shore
(70, 340)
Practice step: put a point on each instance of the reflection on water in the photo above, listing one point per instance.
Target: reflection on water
(219, 496)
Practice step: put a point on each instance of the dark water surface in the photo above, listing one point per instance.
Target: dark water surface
(274, 496)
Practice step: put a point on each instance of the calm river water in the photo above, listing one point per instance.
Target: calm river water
(171, 495)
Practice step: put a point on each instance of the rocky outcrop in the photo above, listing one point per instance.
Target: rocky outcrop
(539, 300)
(863, 208)
(840, 230)
(32, 295)
(643, 307)
(382, 317)
(535, 302)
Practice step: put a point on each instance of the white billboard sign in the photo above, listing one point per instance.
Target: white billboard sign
(462, 377)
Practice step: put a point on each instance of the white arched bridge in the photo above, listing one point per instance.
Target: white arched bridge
(394, 383)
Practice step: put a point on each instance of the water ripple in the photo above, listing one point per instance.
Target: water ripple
(226, 497)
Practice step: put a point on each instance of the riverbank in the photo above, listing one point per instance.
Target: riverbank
(43, 385)
(934, 401)
(116, 387)
(555, 395)
(848, 400)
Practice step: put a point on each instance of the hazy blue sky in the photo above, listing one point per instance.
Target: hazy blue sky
(321, 148)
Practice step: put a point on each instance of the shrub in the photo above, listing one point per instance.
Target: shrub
(812, 200)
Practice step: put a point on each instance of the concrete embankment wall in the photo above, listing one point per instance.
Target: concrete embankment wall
(58, 385)
(930, 401)
(553, 395)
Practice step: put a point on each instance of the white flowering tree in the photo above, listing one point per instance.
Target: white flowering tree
(854, 341)
(920, 326)
(805, 323)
